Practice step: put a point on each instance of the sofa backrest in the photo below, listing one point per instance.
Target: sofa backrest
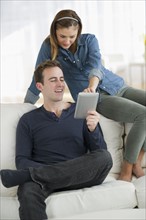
(113, 134)
(10, 115)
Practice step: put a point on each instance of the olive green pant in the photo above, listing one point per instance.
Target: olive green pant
(127, 106)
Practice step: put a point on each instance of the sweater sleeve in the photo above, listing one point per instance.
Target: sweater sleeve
(24, 146)
(94, 140)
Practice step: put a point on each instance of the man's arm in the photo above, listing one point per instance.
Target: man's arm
(24, 146)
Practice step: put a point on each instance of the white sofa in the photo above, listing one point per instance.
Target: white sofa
(111, 195)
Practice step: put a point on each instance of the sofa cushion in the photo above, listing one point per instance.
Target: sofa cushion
(113, 133)
(9, 208)
(116, 214)
(111, 194)
(140, 185)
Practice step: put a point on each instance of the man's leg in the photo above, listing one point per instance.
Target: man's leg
(78, 171)
(32, 202)
(85, 171)
(12, 178)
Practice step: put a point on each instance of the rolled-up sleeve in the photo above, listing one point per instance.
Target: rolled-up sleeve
(93, 60)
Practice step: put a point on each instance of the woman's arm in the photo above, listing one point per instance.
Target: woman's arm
(93, 84)
(32, 94)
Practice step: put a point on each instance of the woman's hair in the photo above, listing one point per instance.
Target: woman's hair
(38, 73)
(63, 19)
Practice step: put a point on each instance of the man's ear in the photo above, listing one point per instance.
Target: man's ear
(39, 86)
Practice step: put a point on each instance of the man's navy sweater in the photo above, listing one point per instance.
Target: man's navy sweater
(42, 138)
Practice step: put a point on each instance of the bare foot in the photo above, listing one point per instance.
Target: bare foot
(125, 177)
(137, 170)
(126, 172)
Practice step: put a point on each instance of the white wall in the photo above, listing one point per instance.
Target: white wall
(118, 25)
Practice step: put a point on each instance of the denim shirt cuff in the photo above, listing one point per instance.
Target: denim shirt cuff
(30, 97)
(97, 73)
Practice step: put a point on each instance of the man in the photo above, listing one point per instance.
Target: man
(54, 151)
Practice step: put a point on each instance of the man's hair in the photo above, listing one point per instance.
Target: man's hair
(38, 73)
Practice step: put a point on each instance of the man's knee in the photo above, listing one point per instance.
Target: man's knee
(103, 157)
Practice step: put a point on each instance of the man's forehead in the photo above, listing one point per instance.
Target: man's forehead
(53, 72)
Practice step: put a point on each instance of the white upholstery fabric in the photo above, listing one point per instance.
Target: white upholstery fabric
(10, 114)
(140, 185)
(102, 197)
(9, 208)
(119, 214)
(63, 204)
(113, 132)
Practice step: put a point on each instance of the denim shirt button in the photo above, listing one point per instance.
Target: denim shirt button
(74, 61)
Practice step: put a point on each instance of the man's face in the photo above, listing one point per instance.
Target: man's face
(54, 85)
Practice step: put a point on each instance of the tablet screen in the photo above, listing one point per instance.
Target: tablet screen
(85, 102)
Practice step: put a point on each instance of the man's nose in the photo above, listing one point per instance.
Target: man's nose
(59, 83)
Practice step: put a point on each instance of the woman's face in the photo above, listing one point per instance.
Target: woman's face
(66, 36)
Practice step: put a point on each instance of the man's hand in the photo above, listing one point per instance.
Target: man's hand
(92, 120)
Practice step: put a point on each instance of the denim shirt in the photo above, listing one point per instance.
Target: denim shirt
(80, 66)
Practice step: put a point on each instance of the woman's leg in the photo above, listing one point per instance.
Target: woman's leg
(32, 201)
(122, 109)
(128, 169)
(137, 169)
(136, 95)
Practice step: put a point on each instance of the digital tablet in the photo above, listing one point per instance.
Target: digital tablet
(85, 102)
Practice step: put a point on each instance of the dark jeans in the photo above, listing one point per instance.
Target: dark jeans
(85, 171)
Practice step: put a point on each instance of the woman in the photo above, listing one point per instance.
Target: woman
(80, 58)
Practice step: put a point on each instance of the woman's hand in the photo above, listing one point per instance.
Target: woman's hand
(89, 90)
(93, 83)
(92, 120)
